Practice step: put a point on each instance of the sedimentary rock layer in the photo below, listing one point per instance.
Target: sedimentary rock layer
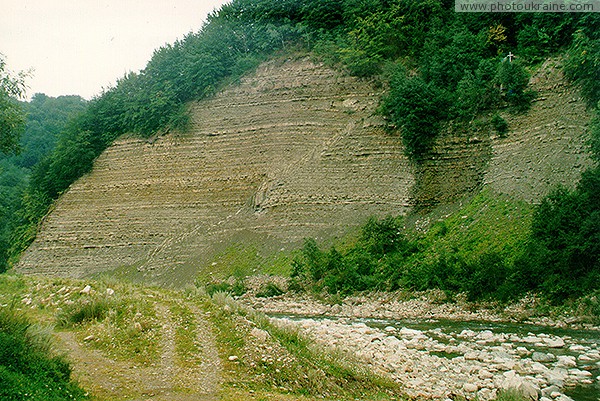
(294, 150)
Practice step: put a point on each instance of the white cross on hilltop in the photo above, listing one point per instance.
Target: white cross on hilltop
(510, 57)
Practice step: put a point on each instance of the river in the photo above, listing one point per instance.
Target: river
(439, 358)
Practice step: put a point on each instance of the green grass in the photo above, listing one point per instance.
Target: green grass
(186, 343)
(288, 363)
(240, 260)
(489, 223)
(124, 324)
(28, 370)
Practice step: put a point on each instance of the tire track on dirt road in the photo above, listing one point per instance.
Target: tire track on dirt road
(168, 379)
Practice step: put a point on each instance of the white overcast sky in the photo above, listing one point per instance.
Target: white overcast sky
(77, 47)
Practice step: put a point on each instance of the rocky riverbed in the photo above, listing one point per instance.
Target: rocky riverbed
(441, 362)
(439, 350)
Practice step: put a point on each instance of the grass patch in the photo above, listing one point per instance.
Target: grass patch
(269, 290)
(90, 310)
(240, 260)
(280, 360)
(124, 325)
(186, 343)
(28, 370)
(11, 286)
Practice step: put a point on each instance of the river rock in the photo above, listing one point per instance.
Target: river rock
(566, 361)
(486, 394)
(515, 382)
(593, 355)
(406, 332)
(470, 387)
(485, 335)
(259, 334)
(547, 392)
(557, 376)
(392, 342)
(554, 342)
(580, 373)
(538, 368)
(543, 357)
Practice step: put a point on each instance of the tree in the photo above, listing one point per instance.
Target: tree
(12, 117)
(513, 80)
(417, 108)
(582, 66)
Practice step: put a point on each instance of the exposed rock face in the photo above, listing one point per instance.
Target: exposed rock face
(546, 146)
(293, 151)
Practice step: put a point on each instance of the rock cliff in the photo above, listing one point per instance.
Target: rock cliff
(294, 150)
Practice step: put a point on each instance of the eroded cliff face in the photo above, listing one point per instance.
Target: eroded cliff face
(295, 150)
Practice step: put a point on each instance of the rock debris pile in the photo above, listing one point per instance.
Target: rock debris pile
(441, 363)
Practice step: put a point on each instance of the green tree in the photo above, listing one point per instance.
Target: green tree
(12, 117)
(513, 79)
(595, 135)
(417, 108)
(564, 253)
(583, 66)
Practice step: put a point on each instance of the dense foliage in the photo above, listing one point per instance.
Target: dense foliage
(583, 65)
(45, 118)
(27, 369)
(564, 253)
(559, 258)
(458, 255)
(12, 118)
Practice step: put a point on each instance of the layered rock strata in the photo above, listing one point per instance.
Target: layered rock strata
(294, 150)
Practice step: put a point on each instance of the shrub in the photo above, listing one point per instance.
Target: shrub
(27, 370)
(94, 309)
(513, 79)
(582, 66)
(236, 288)
(499, 124)
(269, 290)
(566, 241)
(595, 135)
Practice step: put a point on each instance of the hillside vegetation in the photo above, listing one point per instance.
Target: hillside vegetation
(45, 119)
(439, 73)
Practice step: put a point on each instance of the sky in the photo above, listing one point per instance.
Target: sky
(79, 47)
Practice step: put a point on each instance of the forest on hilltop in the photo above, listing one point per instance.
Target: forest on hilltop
(45, 118)
(439, 67)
